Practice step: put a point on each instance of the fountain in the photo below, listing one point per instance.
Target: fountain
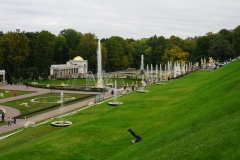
(71, 83)
(115, 103)
(151, 74)
(61, 123)
(142, 73)
(68, 83)
(141, 89)
(74, 82)
(156, 74)
(108, 82)
(142, 65)
(165, 72)
(99, 62)
(147, 73)
(170, 69)
(90, 81)
(143, 84)
(160, 72)
(160, 76)
(99, 85)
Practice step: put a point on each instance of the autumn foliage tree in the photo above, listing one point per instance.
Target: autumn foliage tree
(18, 45)
(22, 51)
(175, 54)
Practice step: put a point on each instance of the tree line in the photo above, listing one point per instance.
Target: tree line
(24, 54)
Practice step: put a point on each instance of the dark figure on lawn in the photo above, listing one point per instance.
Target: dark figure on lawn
(3, 114)
(138, 138)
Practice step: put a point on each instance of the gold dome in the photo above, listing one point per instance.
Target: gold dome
(78, 58)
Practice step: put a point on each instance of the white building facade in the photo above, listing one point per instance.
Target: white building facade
(2, 74)
(78, 67)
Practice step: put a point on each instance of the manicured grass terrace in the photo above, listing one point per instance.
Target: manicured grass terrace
(194, 117)
(10, 93)
(44, 101)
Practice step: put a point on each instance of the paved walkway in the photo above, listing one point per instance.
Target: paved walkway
(12, 112)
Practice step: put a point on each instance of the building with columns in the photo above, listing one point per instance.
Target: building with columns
(78, 67)
(2, 74)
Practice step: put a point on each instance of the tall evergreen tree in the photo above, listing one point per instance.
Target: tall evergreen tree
(45, 74)
(25, 74)
(44, 50)
(35, 74)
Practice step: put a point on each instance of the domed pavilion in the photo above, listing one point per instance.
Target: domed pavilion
(78, 67)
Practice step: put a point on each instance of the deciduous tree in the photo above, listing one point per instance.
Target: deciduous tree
(60, 45)
(87, 48)
(175, 54)
(236, 40)
(18, 45)
(44, 50)
(116, 50)
(73, 39)
(142, 48)
(31, 45)
(1, 51)
(221, 50)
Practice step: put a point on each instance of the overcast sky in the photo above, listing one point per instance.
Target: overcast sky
(125, 18)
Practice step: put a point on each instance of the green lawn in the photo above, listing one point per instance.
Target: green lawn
(84, 82)
(10, 93)
(194, 117)
(35, 103)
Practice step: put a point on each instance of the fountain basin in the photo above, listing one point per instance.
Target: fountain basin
(160, 83)
(142, 91)
(61, 123)
(114, 103)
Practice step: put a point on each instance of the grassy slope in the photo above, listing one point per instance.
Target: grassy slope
(195, 117)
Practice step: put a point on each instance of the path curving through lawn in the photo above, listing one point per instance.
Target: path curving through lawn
(12, 112)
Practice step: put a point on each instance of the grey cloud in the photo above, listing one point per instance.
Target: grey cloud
(128, 19)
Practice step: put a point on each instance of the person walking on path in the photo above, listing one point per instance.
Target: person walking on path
(9, 121)
(14, 120)
(3, 115)
(138, 138)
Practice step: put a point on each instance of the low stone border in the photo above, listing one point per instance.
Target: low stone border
(9, 135)
(2, 110)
